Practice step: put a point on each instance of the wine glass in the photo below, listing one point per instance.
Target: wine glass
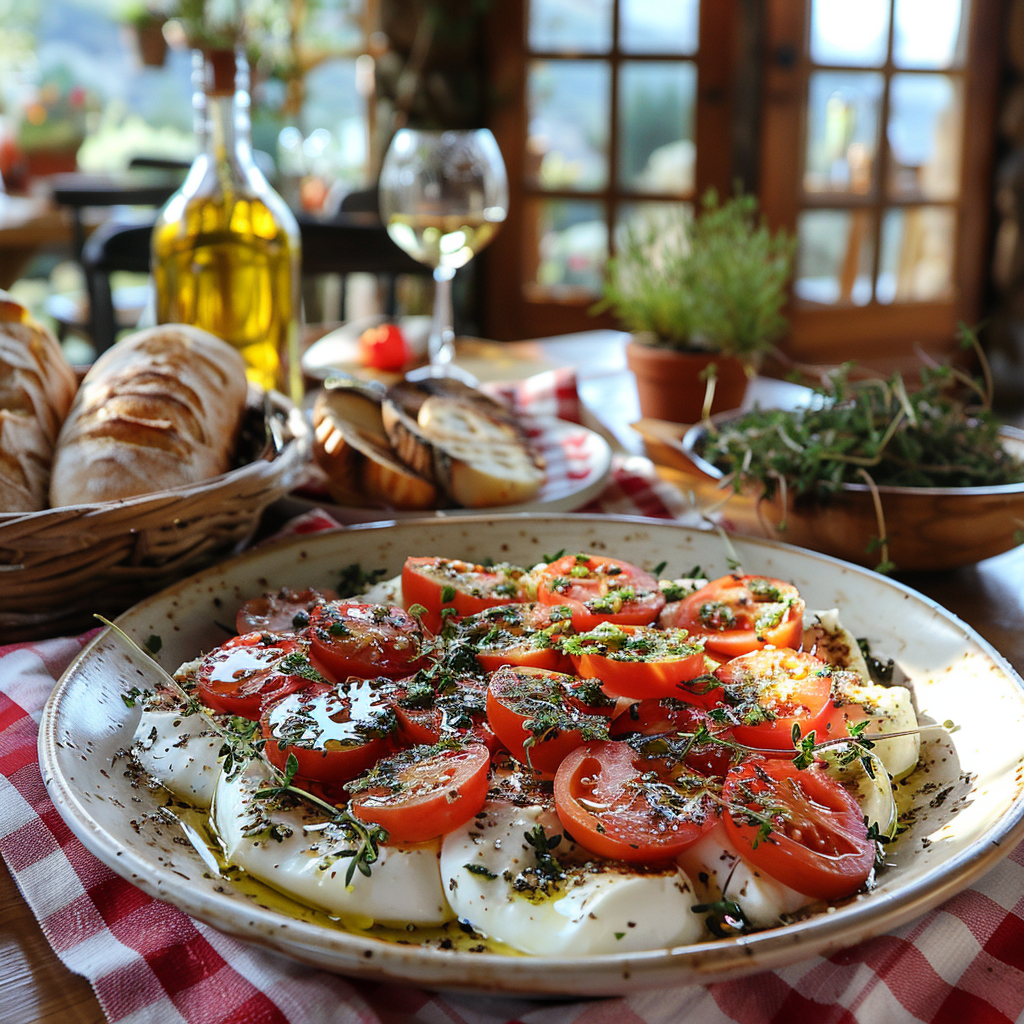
(443, 196)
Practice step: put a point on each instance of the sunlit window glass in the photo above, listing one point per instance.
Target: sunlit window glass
(850, 32)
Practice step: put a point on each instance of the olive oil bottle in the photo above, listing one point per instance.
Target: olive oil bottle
(226, 251)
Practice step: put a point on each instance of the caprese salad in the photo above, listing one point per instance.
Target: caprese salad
(566, 759)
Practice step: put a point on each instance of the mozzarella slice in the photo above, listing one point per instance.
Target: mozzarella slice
(384, 592)
(722, 874)
(888, 709)
(180, 752)
(292, 850)
(598, 908)
(827, 638)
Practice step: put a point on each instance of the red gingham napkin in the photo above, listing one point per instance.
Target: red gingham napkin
(151, 964)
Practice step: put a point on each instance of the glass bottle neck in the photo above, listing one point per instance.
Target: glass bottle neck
(221, 107)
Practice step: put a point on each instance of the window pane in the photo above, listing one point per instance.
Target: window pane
(570, 26)
(842, 131)
(916, 262)
(653, 26)
(845, 32)
(929, 33)
(644, 215)
(925, 136)
(571, 248)
(567, 139)
(834, 257)
(656, 151)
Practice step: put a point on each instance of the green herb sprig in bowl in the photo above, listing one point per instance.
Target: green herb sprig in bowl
(873, 432)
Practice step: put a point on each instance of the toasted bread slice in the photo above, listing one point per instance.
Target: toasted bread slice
(352, 447)
(478, 461)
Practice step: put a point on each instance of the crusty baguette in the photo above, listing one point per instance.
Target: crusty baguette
(37, 386)
(352, 448)
(160, 409)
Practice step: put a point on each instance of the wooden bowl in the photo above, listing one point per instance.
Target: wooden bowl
(927, 527)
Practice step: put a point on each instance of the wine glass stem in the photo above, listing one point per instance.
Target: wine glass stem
(442, 334)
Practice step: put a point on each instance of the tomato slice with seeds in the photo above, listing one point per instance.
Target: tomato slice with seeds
(428, 710)
(739, 614)
(816, 842)
(464, 587)
(247, 672)
(636, 661)
(767, 692)
(423, 792)
(278, 613)
(600, 590)
(620, 804)
(540, 715)
(670, 717)
(366, 640)
(519, 634)
(335, 732)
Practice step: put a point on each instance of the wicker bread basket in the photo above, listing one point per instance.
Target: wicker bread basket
(61, 566)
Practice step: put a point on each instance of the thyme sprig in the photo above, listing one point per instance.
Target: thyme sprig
(549, 871)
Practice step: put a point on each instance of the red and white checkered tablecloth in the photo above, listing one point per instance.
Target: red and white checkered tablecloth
(151, 964)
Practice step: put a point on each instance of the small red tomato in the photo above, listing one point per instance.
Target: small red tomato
(384, 347)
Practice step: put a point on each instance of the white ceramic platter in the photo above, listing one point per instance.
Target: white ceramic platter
(968, 808)
(577, 460)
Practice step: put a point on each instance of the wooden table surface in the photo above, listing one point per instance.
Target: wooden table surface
(36, 988)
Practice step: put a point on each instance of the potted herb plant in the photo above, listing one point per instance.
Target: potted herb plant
(703, 297)
(145, 19)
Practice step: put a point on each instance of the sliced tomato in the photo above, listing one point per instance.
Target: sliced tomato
(600, 590)
(540, 715)
(636, 661)
(366, 640)
(423, 792)
(335, 732)
(428, 709)
(817, 842)
(519, 634)
(466, 588)
(278, 613)
(739, 614)
(619, 804)
(672, 718)
(767, 692)
(241, 676)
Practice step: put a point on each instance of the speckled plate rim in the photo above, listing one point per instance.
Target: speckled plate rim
(597, 975)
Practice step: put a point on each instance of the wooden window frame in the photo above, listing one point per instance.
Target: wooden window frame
(508, 311)
(884, 334)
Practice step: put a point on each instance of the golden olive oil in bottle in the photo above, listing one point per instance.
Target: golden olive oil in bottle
(226, 252)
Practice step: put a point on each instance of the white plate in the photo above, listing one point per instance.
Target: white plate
(339, 350)
(578, 462)
(969, 817)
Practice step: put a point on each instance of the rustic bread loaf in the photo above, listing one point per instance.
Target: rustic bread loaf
(160, 409)
(37, 386)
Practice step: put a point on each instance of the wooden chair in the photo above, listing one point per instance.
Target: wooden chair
(351, 243)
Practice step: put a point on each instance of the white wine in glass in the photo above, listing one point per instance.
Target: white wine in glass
(443, 196)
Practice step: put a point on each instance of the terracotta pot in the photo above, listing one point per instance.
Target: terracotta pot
(152, 45)
(41, 162)
(671, 387)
